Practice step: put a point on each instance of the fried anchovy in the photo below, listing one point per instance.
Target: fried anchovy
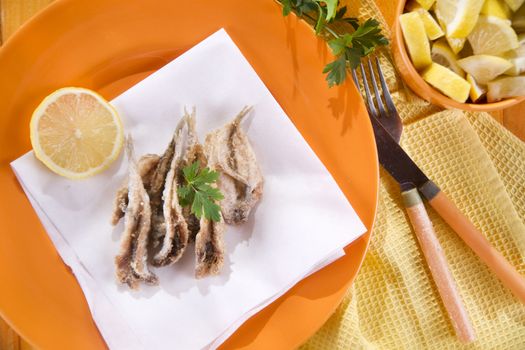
(241, 182)
(147, 164)
(131, 262)
(209, 248)
(176, 231)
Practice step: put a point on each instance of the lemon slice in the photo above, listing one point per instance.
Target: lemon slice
(476, 91)
(442, 54)
(446, 81)
(415, 39)
(497, 8)
(456, 44)
(432, 28)
(76, 133)
(506, 87)
(514, 4)
(484, 68)
(459, 16)
(493, 36)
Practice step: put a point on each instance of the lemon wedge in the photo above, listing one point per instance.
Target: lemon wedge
(426, 4)
(459, 16)
(521, 42)
(446, 81)
(493, 36)
(506, 87)
(518, 66)
(456, 44)
(497, 8)
(476, 91)
(76, 133)
(442, 54)
(412, 5)
(415, 39)
(432, 28)
(516, 57)
(484, 68)
(514, 4)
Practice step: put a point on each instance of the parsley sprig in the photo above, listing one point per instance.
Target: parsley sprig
(348, 48)
(198, 192)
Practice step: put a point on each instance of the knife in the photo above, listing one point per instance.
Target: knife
(403, 169)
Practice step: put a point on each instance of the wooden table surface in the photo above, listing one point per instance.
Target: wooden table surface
(13, 13)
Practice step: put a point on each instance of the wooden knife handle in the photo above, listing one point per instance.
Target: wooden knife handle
(507, 273)
(438, 266)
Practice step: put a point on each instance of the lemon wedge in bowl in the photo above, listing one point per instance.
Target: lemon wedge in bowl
(416, 39)
(514, 4)
(484, 68)
(426, 4)
(459, 16)
(516, 57)
(477, 92)
(456, 44)
(443, 54)
(76, 133)
(492, 36)
(446, 81)
(432, 28)
(497, 8)
(506, 87)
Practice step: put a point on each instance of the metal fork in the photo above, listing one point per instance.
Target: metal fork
(381, 107)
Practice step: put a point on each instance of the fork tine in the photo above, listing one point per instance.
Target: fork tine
(386, 92)
(379, 100)
(356, 81)
(369, 99)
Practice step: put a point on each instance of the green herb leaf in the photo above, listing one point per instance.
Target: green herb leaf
(353, 56)
(336, 71)
(211, 210)
(340, 44)
(348, 48)
(368, 36)
(331, 7)
(319, 26)
(198, 192)
(304, 6)
(287, 7)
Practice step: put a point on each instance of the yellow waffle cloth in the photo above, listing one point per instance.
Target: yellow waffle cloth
(394, 303)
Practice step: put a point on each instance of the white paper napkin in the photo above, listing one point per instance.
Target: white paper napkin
(301, 224)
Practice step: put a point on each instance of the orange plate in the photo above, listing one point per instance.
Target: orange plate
(109, 45)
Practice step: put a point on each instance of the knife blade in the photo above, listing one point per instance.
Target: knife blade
(395, 160)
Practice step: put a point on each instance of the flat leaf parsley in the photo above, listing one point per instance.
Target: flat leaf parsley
(348, 48)
(198, 193)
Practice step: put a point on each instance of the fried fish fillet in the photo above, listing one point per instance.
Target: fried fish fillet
(194, 152)
(131, 262)
(229, 151)
(175, 238)
(209, 248)
(147, 163)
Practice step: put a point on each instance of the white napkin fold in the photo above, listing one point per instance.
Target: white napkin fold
(301, 224)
